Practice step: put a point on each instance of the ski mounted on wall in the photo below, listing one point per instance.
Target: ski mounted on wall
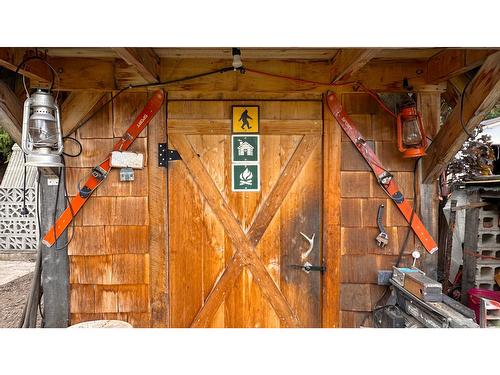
(383, 176)
(100, 172)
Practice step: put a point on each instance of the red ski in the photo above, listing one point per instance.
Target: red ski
(384, 177)
(100, 172)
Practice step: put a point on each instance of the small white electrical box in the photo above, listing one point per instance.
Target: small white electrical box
(127, 160)
(53, 181)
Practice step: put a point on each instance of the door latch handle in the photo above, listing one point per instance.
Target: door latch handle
(308, 267)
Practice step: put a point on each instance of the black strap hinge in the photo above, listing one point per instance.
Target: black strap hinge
(165, 155)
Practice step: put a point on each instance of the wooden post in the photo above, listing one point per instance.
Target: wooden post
(55, 263)
(429, 105)
(444, 254)
(470, 243)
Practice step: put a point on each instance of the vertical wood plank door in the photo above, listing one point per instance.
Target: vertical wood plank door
(232, 254)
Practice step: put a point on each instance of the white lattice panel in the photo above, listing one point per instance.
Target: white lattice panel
(17, 231)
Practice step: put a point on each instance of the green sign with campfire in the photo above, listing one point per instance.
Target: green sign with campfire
(246, 177)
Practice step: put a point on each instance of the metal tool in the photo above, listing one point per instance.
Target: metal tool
(382, 238)
(308, 267)
(311, 246)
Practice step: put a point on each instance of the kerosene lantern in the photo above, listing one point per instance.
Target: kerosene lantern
(411, 135)
(42, 137)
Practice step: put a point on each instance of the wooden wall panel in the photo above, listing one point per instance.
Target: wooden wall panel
(126, 107)
(109, 255)
(361, 197)
(101, 124)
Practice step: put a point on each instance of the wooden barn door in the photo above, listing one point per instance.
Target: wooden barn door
(232, 254)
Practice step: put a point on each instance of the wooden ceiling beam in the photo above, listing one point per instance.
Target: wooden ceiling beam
(82, 74)
(145, 60)
(77, 107)
(453, 62)
(349, 61)
(11, 113)
(481, 95)
(10, 58)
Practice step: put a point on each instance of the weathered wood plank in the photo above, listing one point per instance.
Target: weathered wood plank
(360, 297)
(223, 126)
(76, 74)
(481, 95)
(145, 60)
(348, 61)
(10, 58)
(453, 62)
(275, 199)
(429, 105)
(234, 231)
(220, 290)
(101, 123)
(76, 108)
(11, 113)
(470, 244)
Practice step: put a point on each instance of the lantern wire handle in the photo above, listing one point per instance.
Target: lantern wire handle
(52, 71)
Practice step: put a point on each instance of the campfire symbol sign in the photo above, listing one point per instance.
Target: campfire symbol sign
(246, 177)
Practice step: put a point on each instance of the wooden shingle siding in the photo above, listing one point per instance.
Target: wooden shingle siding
(109, 255)
(361, 258)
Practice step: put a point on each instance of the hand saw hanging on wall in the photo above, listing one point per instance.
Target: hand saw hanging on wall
(383, 176)
(100, 172)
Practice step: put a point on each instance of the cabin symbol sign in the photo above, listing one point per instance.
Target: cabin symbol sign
(245, 148)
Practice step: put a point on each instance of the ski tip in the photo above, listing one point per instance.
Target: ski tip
(46, 243)
(159, 95)
(433, 250)
(334, 103)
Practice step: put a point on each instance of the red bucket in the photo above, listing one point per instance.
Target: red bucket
(475, 295)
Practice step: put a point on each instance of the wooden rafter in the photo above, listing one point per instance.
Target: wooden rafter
(349, 61)
(36, 70)
(76, 108)
(245, 254)
(480, 96)
(145, 60)
(453, 62)
(11, 113)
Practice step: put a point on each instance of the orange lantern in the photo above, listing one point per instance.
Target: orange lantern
(411, 135)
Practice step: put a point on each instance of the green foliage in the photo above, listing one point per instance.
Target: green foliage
(6, 144)
(495, 112)
(475, 158)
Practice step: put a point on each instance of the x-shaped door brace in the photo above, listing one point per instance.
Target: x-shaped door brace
(244, 244)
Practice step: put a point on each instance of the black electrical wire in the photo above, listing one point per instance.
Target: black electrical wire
(462, 110)
(159, 84)
(80, 147)
(36, 57)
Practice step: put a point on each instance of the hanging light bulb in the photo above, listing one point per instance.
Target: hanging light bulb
(411, 135)
(237, 63)
(42, 136)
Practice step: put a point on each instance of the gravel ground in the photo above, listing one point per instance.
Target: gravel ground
(13, 296)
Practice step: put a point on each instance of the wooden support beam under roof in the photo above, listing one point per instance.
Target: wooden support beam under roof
(10, 58)
(11, 113)
(349, 61)
(77, 107)
(92, 74)
(145, 60)
(482, 93)
(453, 62)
